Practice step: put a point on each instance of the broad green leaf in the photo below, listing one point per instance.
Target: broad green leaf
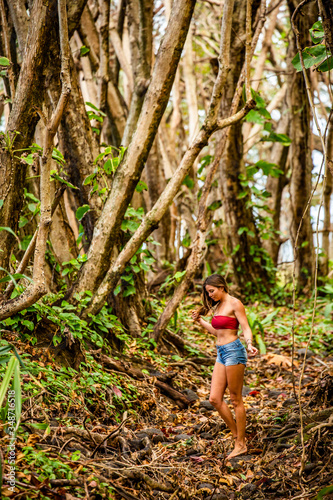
(5, 349)
(108, 166)
(317, 32)
(4, 61)
(259, 100)
(144, 266)
(81, 211)
(130, 290)
(311, 56)
(13, 277)
(18, 396)
(9, 230)
(6, 380)
(269, 317)
(241, 230)
(215, 205)
(273, 137)
(189, 182)
(94, 107)
(131, 225)
(325, 491)
(261, 344)
(266, 114)
(326, 65)
(254, 116)
(29, 160)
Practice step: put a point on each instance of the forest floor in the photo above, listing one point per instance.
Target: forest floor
(138, 425)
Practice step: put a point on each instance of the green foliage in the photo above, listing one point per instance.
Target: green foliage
(325, 491)
(14, 399)
(172, 281)
(257, 326)
(81, 211)
(84, 51)
(95, 114)
(318, 54)
(106, 163)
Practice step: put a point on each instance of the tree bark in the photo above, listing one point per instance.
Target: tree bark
(80, 148)
(140, 20)
(275, 186)
(300, 154)
(156, 183)
(327, 202)
(248, 260)
(326, 13)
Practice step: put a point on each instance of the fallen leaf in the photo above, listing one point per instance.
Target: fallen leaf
(279, 360)
(198, 460)
(249, 474)
(117, 392)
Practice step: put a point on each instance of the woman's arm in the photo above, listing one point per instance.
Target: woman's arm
(240, 314)
(203, 323)
(207, 326)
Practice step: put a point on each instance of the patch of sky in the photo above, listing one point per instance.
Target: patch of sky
(276, 115)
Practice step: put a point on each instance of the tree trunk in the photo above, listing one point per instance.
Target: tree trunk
(140, 20)
(248, 259)
(156, 183)
(327, 230)
(80, 148)
(275, 186)
(300, 154)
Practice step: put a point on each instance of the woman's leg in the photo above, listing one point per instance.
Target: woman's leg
(235, 377)
(217, 390)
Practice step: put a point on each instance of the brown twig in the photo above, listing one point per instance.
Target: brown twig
(111, 435)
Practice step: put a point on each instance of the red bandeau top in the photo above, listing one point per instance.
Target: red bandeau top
(225, 323)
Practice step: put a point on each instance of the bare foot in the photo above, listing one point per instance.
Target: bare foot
(238, 450)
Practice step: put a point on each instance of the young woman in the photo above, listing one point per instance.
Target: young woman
(231, 359)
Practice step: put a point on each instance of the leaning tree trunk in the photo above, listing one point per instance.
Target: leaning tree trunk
(300, 154)
(248, 259)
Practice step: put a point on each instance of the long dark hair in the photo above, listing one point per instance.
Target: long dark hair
(208, 303)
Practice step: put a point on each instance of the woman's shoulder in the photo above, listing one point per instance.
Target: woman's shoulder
(236, 303)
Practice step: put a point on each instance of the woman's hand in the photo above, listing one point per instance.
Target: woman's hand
(195, 315)
(252, 350)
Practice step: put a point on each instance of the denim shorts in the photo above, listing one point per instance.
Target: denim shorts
(231, 354)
